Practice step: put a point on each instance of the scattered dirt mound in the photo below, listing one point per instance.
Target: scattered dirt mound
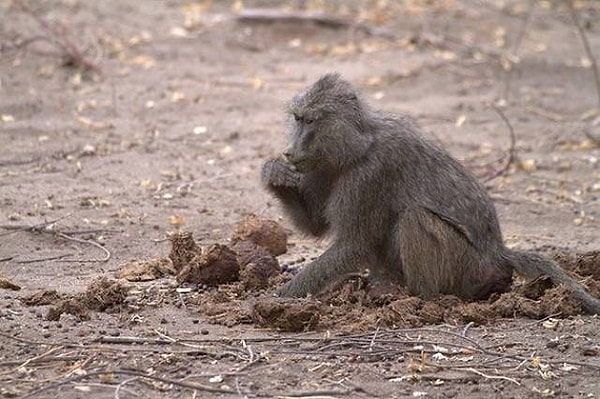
(534, 289)
(554, 301)
(145, 270)
(359, 305)
(236, 276)
(69, 306)
(102, 295)
(246, 260)
(42, 298)
(290, 315)
(588, 264)
(216, 265)
(183, 249)
(7, 284)
(258, 266)
(223, 306)
(585, 264)
(266, 233)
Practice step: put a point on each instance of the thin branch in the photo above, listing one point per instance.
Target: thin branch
(61, 41)
(122, 384)
(137, 374)
(586, 46)
(88, 242)
(493, 377)
(37, 360)
(320, 393)
(27, 261)
(510, 158)
(49, 228)
(275, 15)
(512, 57)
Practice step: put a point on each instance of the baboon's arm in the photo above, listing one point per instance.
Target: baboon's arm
(308, 217)
(336, 263)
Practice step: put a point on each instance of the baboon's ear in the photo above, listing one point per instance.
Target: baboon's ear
(328, 80)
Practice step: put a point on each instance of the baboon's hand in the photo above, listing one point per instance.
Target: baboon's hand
(292, 289)
(308, 281)
(279, 173)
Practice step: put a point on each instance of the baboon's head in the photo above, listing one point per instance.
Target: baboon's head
(327, 126)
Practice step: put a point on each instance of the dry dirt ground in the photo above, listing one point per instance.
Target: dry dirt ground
(158, 122)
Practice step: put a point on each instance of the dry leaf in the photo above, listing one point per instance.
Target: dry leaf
(257, 83)
(107, 378)
(446, 55)
(374, 81)
(528, 165)
(551, 323)
(237, 6)
(177, 97)
(200, 130)
(92, 124)
(585, 62)
(46, 71)
(145, 61)
(9, 285)
(193, 13)
(295, 43)
(177, 220)
(178, 31)
(142, 38)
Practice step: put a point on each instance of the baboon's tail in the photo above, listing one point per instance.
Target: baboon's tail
(532, 265)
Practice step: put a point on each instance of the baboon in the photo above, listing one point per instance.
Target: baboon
(393, 202)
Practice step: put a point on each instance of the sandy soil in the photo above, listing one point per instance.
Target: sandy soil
(167, 131)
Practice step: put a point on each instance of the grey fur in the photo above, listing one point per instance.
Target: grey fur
(393, 202)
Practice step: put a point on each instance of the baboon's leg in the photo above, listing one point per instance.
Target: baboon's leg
(437, 259)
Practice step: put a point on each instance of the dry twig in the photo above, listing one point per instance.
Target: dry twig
(510, 157)
(586, 46)
(512, 57)
(493, 377)
(137, 374)
(275, 15)
(69, 50)
(49, 228)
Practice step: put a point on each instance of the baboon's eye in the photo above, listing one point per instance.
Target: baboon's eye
(297, 117)
(308, 121)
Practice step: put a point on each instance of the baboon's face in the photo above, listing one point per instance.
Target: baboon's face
(304, 140)
(325, 126)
